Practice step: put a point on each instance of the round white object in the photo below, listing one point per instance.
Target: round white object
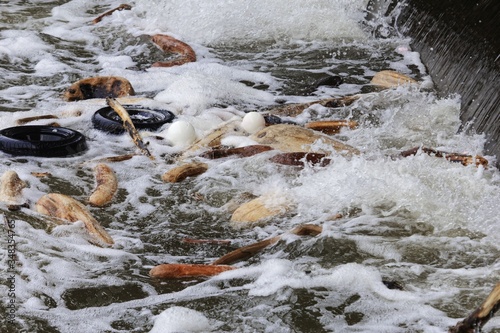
(181, 133)
(180, 319)
(253, 122)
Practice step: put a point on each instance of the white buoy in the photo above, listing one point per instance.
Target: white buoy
(253, 122)
(181, 133)
(180, 319)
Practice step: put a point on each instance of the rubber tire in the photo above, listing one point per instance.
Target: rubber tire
(41, 141)
(107, 120)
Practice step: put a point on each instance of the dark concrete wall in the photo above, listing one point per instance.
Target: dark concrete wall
(459, 42)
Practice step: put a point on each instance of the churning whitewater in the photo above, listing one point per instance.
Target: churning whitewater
(406, 244)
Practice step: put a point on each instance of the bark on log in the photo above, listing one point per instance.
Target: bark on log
(452, 157)
(176, 271)
(477, 319)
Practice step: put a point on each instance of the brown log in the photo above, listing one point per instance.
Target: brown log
(247, 151)
(22, 121)
(123, 6)
(249, 251)
(175, 271)
(452, 157)
(477, 319)
(300, 159)
(331, 126)
(169, 44)
(181, 172)
(99, 87)
(128, 125)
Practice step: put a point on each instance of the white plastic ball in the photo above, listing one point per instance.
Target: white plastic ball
(253, 122)
(181, 133)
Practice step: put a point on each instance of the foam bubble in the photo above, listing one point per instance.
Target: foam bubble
(180, 319)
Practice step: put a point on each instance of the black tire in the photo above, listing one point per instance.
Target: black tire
(106, 119)
(41, 141)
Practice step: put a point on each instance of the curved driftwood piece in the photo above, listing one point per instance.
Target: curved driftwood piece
(169, 44)
(477, 319)
(69, 209)
(300, 159)
(128, 125)
(99, 87)
(181, 172)
(292, 138)
(249, 251)
(246, 151)
(331, 126)
(176, 271)
(107, 185)
(452, 157)
(123, 6)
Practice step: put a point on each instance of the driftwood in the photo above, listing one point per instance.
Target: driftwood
(248, 251)
(11, 187)
(452, 157)
(109, 12)
(292, 138)
(22, 121)
(331, 126)
(106, 188)
(99, 87)
(391, 79)
(129, 126)
(477, 319)
(181, 172)
(258, 210)
(300, 159)
(169, 44)
(176, 271)
(172, 271)
(69, 209)
(247, 151)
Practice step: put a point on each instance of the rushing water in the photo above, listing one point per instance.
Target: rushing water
(427, 224)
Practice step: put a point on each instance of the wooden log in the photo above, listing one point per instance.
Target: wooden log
(391, 79)
(123, 6)
(181, 172)
(176, 271)
(99, 87)
(300, 159)
(22, 121)
(464, 159)
(331, 126)
(246, 151)
(169, 44)
(69, 209)
(246, 252)
(258, 210)
(107, 185)
(292, 138)
(478, 318)
(128, 125)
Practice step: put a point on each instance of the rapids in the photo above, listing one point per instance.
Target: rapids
(428, 225)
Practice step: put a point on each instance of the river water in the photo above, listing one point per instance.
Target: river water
(428, 225)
